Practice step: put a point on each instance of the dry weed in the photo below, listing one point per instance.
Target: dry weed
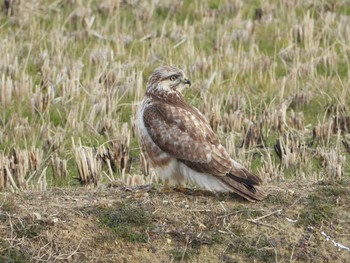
(259, 71)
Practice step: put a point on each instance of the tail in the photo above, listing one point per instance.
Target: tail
(244, 183)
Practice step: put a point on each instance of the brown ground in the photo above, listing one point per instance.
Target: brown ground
(119, 224)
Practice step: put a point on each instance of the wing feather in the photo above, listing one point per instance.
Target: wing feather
(188, 137)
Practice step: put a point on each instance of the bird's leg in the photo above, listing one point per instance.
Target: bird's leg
(181, 187)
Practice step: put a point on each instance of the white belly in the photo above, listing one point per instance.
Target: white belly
(203, 180)
(177, 173)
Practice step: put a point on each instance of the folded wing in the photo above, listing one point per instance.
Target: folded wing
(184, 133)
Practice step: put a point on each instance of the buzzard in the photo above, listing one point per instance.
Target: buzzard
(181, 145)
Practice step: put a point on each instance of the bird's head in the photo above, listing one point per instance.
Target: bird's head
(167, 78)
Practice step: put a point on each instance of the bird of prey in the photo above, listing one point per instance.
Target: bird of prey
(181, 145)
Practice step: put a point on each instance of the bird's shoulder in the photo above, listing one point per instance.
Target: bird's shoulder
(178, 114)
(170, 105)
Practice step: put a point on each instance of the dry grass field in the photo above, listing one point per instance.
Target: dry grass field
(271, 76)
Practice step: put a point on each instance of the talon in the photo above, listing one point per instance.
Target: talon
(166, 190)
(181, 188)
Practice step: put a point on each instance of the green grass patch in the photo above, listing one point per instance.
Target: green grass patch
(340, 8)
(128, 222)
(243, 43)
(8, 205)
(217, 238)
(180, 254)
(339, 188)
(28, 229)
(278, 198)
(10, 254)
(252, 248)
(321, 206)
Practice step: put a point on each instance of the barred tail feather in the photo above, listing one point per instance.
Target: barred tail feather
(246, 187)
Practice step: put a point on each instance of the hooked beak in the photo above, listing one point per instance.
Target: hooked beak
(186, 81)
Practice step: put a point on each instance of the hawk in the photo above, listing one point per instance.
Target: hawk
(181, 145)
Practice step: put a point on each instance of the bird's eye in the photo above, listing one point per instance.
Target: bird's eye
(173, 77)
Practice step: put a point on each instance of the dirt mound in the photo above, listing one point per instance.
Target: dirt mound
(297, 222)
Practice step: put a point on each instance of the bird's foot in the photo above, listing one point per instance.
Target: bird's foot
(182, 189)
(166, 190)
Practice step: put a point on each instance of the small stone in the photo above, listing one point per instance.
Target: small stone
(37, 216)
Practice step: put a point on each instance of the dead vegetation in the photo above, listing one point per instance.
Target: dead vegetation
(139, 224)
(87, 93)
(271, 78)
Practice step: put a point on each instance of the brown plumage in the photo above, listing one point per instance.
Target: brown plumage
(180, 143)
